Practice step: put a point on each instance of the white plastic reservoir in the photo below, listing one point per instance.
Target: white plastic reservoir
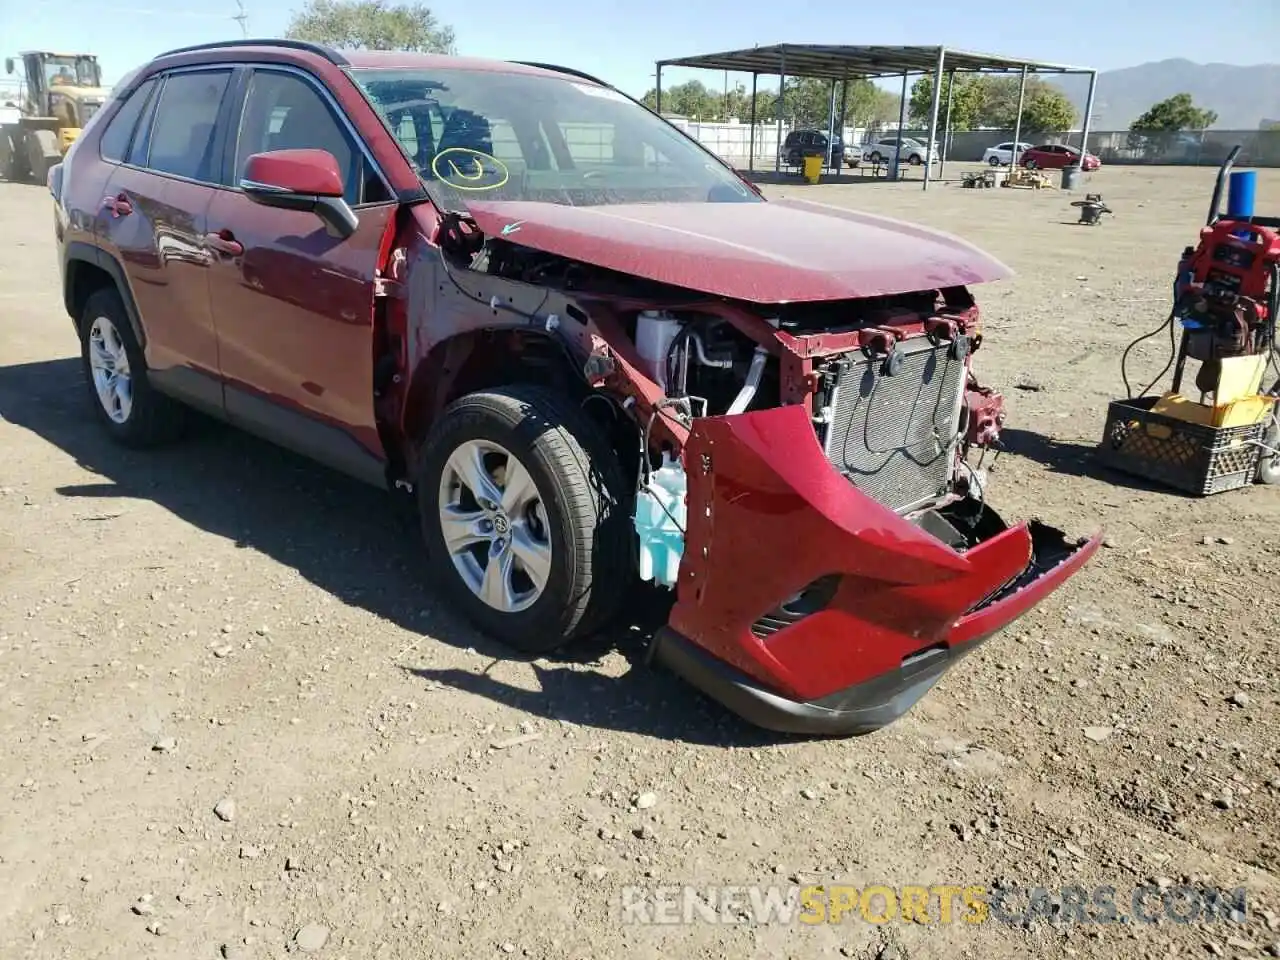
(660, 523)
(655, 329)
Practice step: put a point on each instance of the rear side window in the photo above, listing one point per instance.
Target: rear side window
(182, 132)
(115, 139)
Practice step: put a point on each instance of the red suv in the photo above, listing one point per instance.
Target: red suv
(1055, 156)
(590, 349)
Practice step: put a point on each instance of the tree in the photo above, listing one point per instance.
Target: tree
(372, 25)
(1044, 106)
(691, 99)
(807, 103)
(1174, 115)
(966, 102)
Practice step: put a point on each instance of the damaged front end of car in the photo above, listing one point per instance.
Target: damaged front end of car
(804, 475)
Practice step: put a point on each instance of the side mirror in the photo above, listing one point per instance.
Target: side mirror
(8, 64)
(307, 180)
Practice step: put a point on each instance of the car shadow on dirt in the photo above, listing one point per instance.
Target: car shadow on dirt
(1073, 459)
(362, 546)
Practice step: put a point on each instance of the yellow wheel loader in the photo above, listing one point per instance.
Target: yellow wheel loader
(61, 91)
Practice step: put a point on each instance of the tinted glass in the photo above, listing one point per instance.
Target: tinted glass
(482, 134)
(115, 139)
(284, 112)
(181, 140)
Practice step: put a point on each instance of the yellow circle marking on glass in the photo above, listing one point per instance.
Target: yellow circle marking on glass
(482, 163)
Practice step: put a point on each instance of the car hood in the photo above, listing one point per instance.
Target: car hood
(767, 252)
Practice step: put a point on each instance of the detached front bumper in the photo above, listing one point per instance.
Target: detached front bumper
(806, 607)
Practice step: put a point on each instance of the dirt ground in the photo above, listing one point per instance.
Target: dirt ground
(222, 621)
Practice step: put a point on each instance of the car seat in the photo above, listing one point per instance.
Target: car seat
(466, 130)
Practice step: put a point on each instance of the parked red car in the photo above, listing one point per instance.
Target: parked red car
(1055, 156)
(581, 340)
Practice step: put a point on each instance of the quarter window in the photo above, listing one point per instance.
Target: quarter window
(182, 132)
(115, 139)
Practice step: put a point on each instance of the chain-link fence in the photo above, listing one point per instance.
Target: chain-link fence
(1259, 148)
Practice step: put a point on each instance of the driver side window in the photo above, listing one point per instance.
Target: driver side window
(282, 111)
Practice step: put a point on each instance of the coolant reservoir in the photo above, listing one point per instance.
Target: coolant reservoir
(660, 523)
(655, 329)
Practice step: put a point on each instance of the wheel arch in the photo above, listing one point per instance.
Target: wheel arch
(491, 357)
(88, 270)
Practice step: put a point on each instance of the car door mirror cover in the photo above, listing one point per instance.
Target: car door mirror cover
(306, 180)
(307, 172)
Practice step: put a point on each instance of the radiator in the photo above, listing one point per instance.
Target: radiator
(894, 435)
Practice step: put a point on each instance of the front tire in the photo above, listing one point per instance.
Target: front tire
(1029, 164)
(123, 400)
(524, 514)
(915, 160)
(994, 161)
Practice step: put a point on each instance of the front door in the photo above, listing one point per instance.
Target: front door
(293, 305)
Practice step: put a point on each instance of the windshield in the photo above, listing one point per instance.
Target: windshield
(475, 134)
(71, 71)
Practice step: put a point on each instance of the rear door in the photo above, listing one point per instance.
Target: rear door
(152, 220)
(293, 305)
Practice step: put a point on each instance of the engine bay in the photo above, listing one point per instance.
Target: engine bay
(886, 380)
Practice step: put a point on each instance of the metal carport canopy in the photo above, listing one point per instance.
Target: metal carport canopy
(839, 62)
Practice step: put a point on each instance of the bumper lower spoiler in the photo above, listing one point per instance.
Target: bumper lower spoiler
(768, 518)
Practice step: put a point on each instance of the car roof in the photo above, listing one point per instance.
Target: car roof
(372, 59)
(400, 60)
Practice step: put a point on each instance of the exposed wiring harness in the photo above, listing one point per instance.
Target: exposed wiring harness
(450, 224)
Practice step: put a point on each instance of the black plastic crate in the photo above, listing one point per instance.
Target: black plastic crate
(1191, 457)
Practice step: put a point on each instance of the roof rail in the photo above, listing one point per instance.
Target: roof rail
(569, 70)
(333, 56)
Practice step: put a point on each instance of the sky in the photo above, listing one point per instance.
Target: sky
(621, 45)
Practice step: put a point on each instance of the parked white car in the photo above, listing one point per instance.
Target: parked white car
(913, 151)
(1001, 155)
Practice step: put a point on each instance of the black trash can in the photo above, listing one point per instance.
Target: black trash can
(1071, 177)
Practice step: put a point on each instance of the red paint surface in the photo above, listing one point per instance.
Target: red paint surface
(312, 172)
(160, 244)
(771, 516)
(1053, 160)
(294, 312)
(761, 252)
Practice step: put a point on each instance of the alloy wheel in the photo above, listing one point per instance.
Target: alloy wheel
(494, 526)
(109, 365)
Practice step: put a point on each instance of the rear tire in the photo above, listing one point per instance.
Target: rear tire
(994, 161)
(115, 370)
(534, 569)
(1029, 164)
(915, 160)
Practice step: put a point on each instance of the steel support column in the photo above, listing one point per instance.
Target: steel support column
(782, 92)
(933, 114)
(902, 119)
(751, 135)
(1088, 115)
(946, 130)
(1017, 123)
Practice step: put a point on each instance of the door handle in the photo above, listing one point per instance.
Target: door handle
(225, 243)
(119, 205)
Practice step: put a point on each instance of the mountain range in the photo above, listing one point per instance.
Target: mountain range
(1243, 97)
